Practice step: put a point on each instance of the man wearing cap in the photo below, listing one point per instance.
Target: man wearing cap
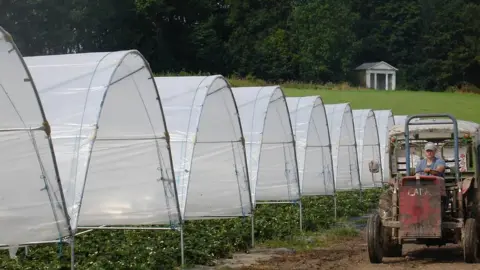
(431, 164)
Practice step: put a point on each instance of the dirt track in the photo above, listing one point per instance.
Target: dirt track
(353, 255)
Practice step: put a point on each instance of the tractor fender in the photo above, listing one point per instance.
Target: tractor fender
(466, 184)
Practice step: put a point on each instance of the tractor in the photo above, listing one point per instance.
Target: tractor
(426, 209)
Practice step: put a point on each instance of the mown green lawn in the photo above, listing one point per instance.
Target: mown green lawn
(463, 106)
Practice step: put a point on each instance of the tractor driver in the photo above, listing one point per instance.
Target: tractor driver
(431, 164)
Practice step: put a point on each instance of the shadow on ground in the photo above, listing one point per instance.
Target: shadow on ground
(431, 255)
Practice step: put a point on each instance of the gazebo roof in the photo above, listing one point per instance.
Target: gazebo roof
(376, 66)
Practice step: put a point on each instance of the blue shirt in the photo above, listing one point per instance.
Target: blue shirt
(422, 164)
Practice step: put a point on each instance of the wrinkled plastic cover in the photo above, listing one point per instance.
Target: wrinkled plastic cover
(399, 119)
(206, 139)
(107, 121)
(310, 126)
(344, 150)
(368, 147)
(463, 126)
(385, 121)
(269, 143)
(31, 206)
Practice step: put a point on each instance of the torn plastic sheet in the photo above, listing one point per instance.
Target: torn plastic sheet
(385, 122)
(368, 147)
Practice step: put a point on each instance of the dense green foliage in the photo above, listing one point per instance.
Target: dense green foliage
(204, 240)
(434, 43)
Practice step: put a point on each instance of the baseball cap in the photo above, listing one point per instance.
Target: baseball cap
(430, 146)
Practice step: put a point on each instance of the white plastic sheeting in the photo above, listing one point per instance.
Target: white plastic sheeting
(270, 146)
(400, 119)
(32, 205)
(464, 127)
(310, 126)
(108, 131)
(344, 149)
(207, 149)
(368, 148)
(385, 122)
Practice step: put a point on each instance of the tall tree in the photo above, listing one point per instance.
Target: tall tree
(258, 38)
(326, 43)
(38, 26)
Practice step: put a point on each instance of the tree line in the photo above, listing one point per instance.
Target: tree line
(435, 44)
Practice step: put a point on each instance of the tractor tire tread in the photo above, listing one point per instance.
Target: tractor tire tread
(470, 241)
(375, 251)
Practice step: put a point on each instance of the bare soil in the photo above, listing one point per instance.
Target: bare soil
(350, 254)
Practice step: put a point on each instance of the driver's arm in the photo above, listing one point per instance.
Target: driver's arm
(440, 167)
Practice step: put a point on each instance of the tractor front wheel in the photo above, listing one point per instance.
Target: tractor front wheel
(375, 239)
(470, 241)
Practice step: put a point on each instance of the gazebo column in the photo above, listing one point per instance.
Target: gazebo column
(394, 80)
(386, 81)
(367, 79)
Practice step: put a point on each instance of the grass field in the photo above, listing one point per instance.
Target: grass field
(463, 106)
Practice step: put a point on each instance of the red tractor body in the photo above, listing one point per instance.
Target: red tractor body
(420, 207)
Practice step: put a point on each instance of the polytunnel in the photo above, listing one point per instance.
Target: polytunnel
(270, 145)
(33, 206)
(368, 148)
(344, 148)
(385, 122)
(110, 138)
(312, 138)
(207, 146)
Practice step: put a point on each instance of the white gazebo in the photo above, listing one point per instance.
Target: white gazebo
(377, 75)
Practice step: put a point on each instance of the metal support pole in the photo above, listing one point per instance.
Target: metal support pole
(335, 205)
(301, 215)
(126, 228)
(182, 247)
(253, 229)
(33, 243)
(72, 253)
(274, 202)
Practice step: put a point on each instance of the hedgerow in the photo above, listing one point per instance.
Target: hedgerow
(205, 241)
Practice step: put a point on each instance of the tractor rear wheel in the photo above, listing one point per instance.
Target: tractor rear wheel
(375, 238)
(470, 241)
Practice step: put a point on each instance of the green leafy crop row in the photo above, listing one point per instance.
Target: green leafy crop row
(205, 240)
